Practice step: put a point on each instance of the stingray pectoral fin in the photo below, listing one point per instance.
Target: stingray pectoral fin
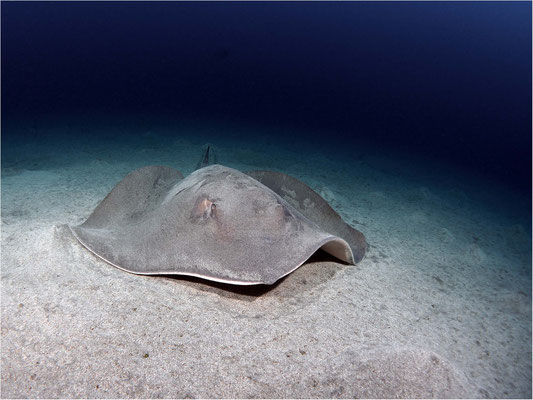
(313, 207)
(106, 257)
(340, 249)
(332, 245)
(139, 190)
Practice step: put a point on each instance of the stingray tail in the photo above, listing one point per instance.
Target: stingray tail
(208, 157)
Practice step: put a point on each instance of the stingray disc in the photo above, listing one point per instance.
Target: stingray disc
(218, 224)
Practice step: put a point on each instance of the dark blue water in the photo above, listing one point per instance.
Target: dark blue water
(445, 82)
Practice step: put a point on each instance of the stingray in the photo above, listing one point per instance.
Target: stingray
(218, 224)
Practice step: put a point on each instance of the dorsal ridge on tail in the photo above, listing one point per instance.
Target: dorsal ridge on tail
(208, 157)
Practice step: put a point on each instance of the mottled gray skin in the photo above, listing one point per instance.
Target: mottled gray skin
(313, 207)
(218, 223)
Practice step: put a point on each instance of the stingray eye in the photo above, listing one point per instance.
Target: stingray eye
(203, 209)
(213, 210)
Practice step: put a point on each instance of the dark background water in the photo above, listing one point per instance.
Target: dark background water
(448, 81)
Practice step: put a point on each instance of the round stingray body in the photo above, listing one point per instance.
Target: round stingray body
(218, 224)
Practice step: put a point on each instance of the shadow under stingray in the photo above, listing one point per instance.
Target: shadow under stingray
(320, 267)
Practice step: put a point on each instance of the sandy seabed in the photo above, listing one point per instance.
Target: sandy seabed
(440, 306)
